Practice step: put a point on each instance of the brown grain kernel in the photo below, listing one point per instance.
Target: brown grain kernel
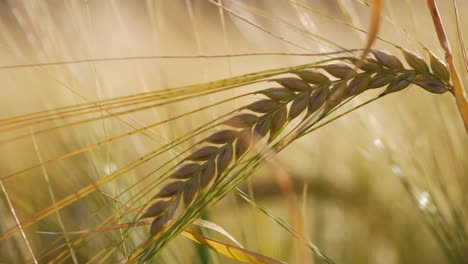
(156, 209)
(186, 171)
(387, 59)
(278, 118)
(318, 98)
(340, 70)
(190, 190)
(263, 126)
(207, 173)
(278, 94)
(222, 137)
(381, 79)
(439, 68)
(158, 225)
(224, 159)
(415, 61)
(293, 83)
(313, 77)
(170, 190)
(298, 105)
(358, 85)
(263, 106)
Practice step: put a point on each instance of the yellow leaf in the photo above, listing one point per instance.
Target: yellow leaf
(230, 251)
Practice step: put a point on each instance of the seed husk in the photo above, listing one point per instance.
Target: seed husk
(381, 79)
(298, 105)
(358, 85)
(263, 126)
(318, 98)
(224, 159)
(293, 83)
(415, 61)
(432, 86)
(439, 68)
(243, 143)
(173, 207)
(170, 190)
(156, 209)
(187, 170)
(337, 94)
(190, 190)
(313, 76)
(368, 65)
(207, 173)
(263, 106)
(387, 59)
(279, 118)
(278, 94)
(222, 137)
(399, 84)
(202, 154)
(340, 70)
(158, 225)
(242, 120)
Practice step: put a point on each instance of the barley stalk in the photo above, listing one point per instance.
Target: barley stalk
(322, 87)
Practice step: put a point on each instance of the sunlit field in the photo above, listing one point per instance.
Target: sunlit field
(233, 131)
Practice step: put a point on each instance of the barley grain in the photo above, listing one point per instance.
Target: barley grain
(314, 89)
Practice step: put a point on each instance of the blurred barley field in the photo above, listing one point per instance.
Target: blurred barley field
(100, 100)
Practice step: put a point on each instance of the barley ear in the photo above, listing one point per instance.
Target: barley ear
(310, 91)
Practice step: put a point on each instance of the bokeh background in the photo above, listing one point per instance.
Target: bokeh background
(348, 177)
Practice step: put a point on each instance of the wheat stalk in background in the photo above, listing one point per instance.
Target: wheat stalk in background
(83, 167)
